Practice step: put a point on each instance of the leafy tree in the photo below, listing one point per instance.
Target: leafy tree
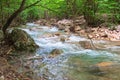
(109, 10)
(21, 8)
(90, 9)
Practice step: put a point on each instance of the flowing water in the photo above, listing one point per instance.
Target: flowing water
(76, 62)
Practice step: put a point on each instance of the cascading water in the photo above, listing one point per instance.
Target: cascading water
(72, 64)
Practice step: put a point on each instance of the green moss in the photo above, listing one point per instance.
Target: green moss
(22, 41)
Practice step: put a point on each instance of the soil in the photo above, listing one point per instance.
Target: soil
(8, 71)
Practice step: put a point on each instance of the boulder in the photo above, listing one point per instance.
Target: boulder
(55, 52)
(22, 41)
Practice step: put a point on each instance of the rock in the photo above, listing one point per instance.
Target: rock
(67, 30)
(62, 38)
(77, 28)
(79, 20)
(22, 41)
(61, 27)
(65, 22)
(104, 35)
(118, 28)
(48, 35)
(85, 44)
(103, 67)
(2, 77)
(90, 36)
(82, 32)
(72, 29)
(57, 33)
(55, 52)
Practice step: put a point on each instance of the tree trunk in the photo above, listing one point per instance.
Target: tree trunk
(10, 19)
(15, 14)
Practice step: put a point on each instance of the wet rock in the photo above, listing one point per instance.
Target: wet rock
(22, 41)
(62, 38)
(85, 44)
(103, 68)
(57, 33)
(55, 52)
(48, 35)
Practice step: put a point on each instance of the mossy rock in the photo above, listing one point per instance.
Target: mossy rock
(22, 41)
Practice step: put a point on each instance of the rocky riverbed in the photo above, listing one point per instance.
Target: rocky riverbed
(67, 51)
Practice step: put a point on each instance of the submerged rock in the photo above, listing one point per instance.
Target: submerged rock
(22, 41)
(55, 52)
(103, 68)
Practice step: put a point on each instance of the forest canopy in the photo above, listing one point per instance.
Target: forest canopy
(93, 10)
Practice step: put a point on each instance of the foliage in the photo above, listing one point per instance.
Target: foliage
(111, 8)
(91, 9)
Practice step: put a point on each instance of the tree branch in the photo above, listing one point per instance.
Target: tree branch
(16, 13)
(22, 4)
(47, 8)
(32, 4)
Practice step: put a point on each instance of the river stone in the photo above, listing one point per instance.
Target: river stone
(55, 52)
(103, 68)
(77, 28)
(62, 38)
(86, 44)
(22, 41)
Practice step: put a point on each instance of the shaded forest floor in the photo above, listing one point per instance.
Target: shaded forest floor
(76, 26)
(7, 70)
